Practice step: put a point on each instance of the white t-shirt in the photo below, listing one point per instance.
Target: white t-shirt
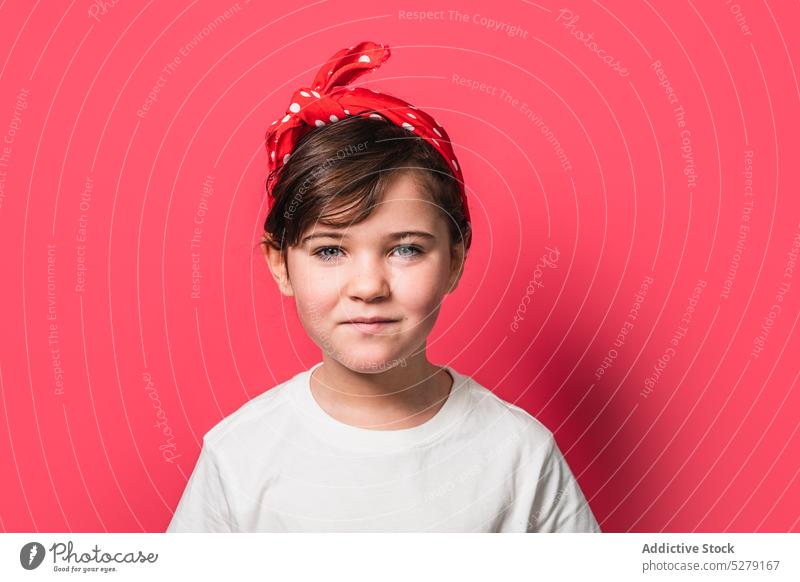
(281, 463)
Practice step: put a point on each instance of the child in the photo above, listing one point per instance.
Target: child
(368, 230)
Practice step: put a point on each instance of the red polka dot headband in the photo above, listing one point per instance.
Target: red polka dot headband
(329, 100)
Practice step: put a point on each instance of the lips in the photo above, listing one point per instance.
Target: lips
(371, 320)
(371, 324)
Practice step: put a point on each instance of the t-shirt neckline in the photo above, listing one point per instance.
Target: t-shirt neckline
(451, 412)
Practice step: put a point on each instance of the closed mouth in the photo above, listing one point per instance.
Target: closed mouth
(372, 326)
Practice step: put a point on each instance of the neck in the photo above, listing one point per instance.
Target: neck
(399, 397)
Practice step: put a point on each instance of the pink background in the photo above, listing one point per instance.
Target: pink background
(712, 445)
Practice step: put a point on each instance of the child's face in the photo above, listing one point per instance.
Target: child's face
(363, 271)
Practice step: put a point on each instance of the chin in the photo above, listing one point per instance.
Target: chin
(369, 364)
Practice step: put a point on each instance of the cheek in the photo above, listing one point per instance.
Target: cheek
(314, 293)
(316, 297)
(420, 291)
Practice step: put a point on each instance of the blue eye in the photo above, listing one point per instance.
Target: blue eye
(416, 251)
(330, 254)
(324, 256)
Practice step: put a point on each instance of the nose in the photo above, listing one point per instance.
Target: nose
(367, 280)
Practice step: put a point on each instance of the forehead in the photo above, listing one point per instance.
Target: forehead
(406, 204)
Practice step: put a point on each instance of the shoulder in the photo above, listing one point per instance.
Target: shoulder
(249, 423)
(511, 420)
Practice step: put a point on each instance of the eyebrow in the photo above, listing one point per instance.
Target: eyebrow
(390, 236)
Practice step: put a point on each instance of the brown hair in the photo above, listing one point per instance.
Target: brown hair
(338, 173)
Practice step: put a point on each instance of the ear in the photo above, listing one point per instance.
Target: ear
(277, 266)
(458, 256)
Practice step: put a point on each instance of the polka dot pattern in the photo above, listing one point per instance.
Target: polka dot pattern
(331, 100)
